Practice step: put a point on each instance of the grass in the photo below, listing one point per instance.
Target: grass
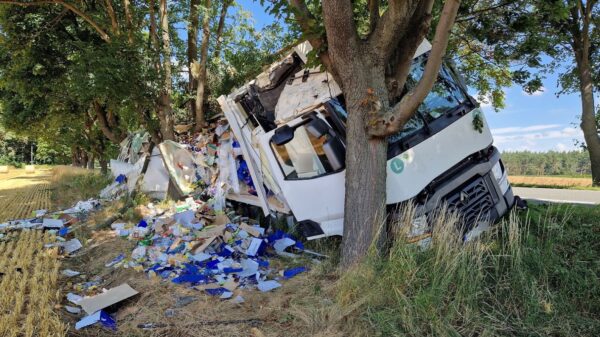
(71, 184)
(536, 274)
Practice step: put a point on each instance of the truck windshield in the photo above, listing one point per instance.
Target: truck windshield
(445, 95)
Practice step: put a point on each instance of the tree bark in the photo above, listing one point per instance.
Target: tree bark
(199, 104)
(192, 52)
(589, 124)
(128, 20)
(113, 17)
(103, 165)
(581, 48)
(363, 82)
(90, 163)
(165, 111)
(366, 158)
(103, 124)
(220, 26)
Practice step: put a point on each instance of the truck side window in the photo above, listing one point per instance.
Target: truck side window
(302, 157)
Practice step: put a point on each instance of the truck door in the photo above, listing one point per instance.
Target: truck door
(307, 158)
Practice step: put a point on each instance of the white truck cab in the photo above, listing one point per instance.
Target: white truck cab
(290, 123)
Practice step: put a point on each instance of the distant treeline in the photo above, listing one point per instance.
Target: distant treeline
(573, 163)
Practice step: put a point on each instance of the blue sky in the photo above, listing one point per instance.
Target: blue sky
(538, 122)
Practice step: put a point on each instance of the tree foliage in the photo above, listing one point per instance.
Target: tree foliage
(83, 74)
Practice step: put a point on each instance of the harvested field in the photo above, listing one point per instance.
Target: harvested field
(542, 181)
(29, 286)
(24, 193)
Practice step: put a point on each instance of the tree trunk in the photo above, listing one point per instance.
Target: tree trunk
(192, 52)
(103, 123)
(366, 160)
(165, 111)
(90, 163)
(199, 104)
(103, 165)
(165, 116)
(589, 124)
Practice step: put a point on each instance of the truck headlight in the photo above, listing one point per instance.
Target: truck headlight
(419, 226)
(501, 177)
(497, 171)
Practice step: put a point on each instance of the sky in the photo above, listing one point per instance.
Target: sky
(539, 122)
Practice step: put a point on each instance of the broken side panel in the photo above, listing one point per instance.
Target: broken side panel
(243, 134)
(261, 95)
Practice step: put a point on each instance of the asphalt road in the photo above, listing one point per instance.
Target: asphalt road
(559, 195)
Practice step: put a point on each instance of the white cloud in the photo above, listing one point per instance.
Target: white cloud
(538, 92)
(543, 137)
(516, 129)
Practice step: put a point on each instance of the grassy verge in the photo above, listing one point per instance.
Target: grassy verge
(536, 274)
(71, 184)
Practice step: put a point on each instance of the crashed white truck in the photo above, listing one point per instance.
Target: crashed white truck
(290, 123)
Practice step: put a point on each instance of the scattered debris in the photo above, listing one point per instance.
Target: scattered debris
(98, 316)
(73, 310)
(106, 299)
(184, 300)
(71, 246)
(70, 273)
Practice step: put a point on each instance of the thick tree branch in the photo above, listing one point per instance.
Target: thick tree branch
(110, 10)
(153, 29)
(400, 61)
(373, 14)
(474, 14)
(201, 76)
(128, 20)
(104, 125)
(304, 18)
(220, 26)
(398, 115)
(72, 8)
(166, 39)
(394, 25)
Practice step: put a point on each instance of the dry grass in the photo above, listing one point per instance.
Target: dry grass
(71, 184)
(303, 306)
(29, 287)
(550, 181)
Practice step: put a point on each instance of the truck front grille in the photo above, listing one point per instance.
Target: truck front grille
(472, 201)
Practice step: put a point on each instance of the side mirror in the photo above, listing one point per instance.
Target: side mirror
(283, 135)
(335, 153)
(317, 127)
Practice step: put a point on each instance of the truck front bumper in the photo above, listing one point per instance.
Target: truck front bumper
(472, 189)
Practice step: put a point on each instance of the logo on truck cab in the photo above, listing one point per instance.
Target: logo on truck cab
(397, 165)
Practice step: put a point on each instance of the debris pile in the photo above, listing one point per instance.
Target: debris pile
(209, 253)
(197, 242)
